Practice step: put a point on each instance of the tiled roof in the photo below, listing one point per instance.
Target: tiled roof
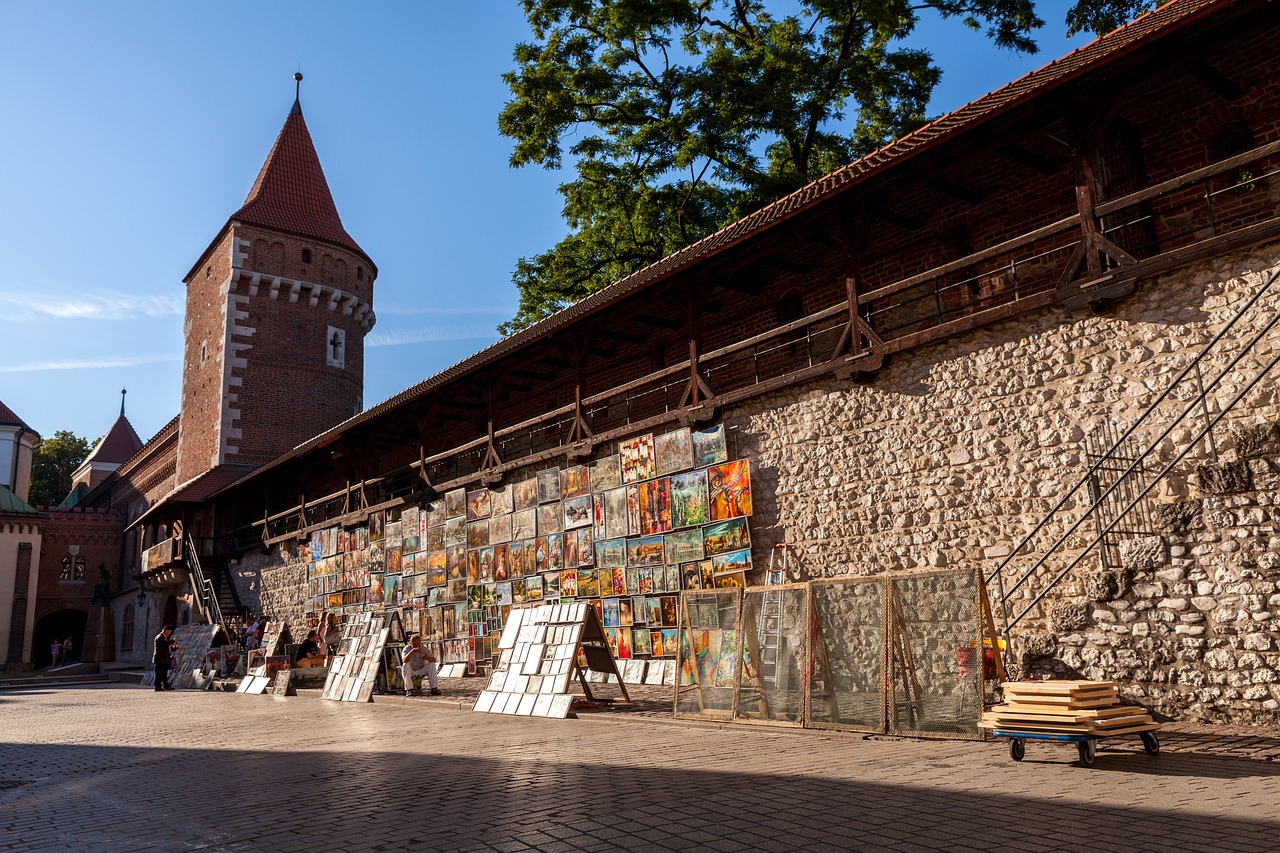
(198, 488)
(8, 417)
(291, 193)
(1099, 53)
(11, 504)
(118, 445)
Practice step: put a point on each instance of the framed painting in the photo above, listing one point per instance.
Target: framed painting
(437, 571)
(551, 585)
(577, 512)
(455, 531)
(586, 548)
(455, 560)
(637, 459)
(473, 566)
(569, 583)
(732, 561)
(571, 548)
(533, 588)
(435, 514)
(615, 514)
(688, 499)
(730, 489)
(625, 613)
(709, 447)
(550, 518)
(500, 528)
(611, 613)
(549, 485)
(724, 536)
(588, 584)
(731, 580)
(619, 582)
(502, 594)
(574, 481)
(673, 451)
(611, 553)
(393, 538)
(455, 503)
(376, 532)
(655, 506)
(555, 551)
(684, 546)
(645, 551)
(606, 473)
(478, 504)
(673, 578)
(434, 539)
(641, 642)
(501, 500)
(524, 494)
(501, 562)
(477, 533)
(598, 507)
(644, 580)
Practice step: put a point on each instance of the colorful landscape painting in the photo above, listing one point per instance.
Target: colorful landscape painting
(673, 451)
(606, 473)
(689, 499)
(709, 447)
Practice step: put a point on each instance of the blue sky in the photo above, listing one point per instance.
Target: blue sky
(133, 130)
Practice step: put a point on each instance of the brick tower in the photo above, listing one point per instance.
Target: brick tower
(277, 310)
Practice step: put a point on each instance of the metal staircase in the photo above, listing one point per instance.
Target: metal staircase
(1118, 481)
(219, 603)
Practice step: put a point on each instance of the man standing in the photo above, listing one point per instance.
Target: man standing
(163, 651)
(418, 662)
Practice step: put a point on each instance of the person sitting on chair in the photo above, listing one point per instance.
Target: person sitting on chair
(309, 652)
(418, 662)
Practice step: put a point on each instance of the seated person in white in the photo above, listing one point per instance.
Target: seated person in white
(418, 662)
(309, 653)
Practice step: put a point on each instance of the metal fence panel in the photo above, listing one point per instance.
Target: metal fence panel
(773, 654)
(848, 685)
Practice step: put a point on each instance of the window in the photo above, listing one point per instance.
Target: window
(359, 273)
(204, 352)
(306, 256)
(127, 629)
(72, 568)
(335, 347)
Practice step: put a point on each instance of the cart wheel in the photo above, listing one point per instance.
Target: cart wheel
(1088, 750)
(1017, 749)
(1150, 742)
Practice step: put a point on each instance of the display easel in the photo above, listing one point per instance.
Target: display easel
(541, 649)
(275, 639)
(193, 644)
(355, 669)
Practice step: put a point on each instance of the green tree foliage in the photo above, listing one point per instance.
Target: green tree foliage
(52, 464)
(681, 116)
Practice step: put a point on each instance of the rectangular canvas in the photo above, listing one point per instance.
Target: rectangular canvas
(501, 562)
(571, 548)
(550, 518)
(549, 485)
(555, 551)
(551, 585)
(605, 473)
(569, 583)
(577, 512)
(731, 580)
(502, 594)
(588, 584)
(376, 533)
(730, 489)
(501, 500)
(619, 582)
(598, 506)
(637, 459)
(655, 506)
(455, 560)
(394, 537)
(683, 546)
(518, 591)
(615, 513)
(409, 524)
(633, 510)
(645, 551)
(674, 451)
(574, 482)
(434, 540)
(673, 578)
(639, 613)
(724, 536)
(524, 524)
(477, 504)
(586, 548)
(689, 501)
(477, 534)
(641, 641)
(610, 553)
(669, 605)
(455, 531)
(455, 503)
(732, 561)
(644, 580)
(515, 557)
(524, 494)
(626, 615)
(500, 529)
(437, 569)
(435, 515)
(611, 613)
(533, 588)
(709, 447)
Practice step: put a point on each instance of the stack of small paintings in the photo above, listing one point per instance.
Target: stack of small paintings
(627, 532)
(353, 672)
(537, 653)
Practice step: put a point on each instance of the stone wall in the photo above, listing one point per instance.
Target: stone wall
(282, 587)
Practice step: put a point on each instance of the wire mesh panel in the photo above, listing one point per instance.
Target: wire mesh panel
(773, 654)
(934, 652)
(848, 654)
(708, 663)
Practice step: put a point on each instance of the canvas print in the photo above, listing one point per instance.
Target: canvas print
(657, 648)
(637, 459)
(639, 613)
(684, 546)
(577, 512)
(644, 580)
(673, 578)
(501, 562)
(501, 500)
(586, 549)
(709, 447)
(515, 559)
(555, 551)
(549, 485)
(518, 591)
(377, 557)
(376, 532)
(653, 609)
(689, 499)
(434, 539)
(500, 529)
(611, 613)
(730, 488)
(674, 451)
(733, 561)
(455, 531)
(655, 507)
(551, 585)
(477, 534)
(533, 588)
(524, 494)
(645, 551)
(435, 515)
(393, 539)
(569, 583)
(391, 590)
(408, 545)
(624, 643)
(625, 613)
(611, 552)
(477, 504)
(455, 560)
(598, 506)
(724, 536)
(550, 518)
(670, 636)
(473, 566)
(641, 642)
(437, 572)
(615, 514)
(524, 524)
(574, 482)
(393, 561)
(633, 510)
(668, 604)
(588, 584)
(605, 473)
(611, 637)
(571, 548)
(455, 503)
(619, 582)
(731, 580)
(457, 589)
(408, 524)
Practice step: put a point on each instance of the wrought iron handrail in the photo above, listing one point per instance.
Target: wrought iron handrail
(201, 585)
(1135, 464)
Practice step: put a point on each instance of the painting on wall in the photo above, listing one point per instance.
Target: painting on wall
(574, 482)
(730, 490)
(549, 485)
(638, 460)
(550, 519)
(709, 447)
(455, 503)
(524, 523)
(724, 536)
(477, 504)
(577, 512)
(689, 499)
(655, 506)
(615, 513)
(673, 451)
(645, 551)
(605, 474)
(524, 494)
(683, 546)
(500, 529)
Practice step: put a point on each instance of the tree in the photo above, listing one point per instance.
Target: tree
(686, 115)
(52, 464)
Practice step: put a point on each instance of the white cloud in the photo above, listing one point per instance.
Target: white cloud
(85, 363)
(429, 334)
(94, 306)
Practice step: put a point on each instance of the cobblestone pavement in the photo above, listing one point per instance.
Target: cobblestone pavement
(121, 768)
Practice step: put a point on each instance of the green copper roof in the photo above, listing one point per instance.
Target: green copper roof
(11, 504)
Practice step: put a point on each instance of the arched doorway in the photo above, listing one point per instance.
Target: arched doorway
(170, 612)
(57, 625)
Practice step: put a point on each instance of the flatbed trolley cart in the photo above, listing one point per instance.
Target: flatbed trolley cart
(1086, 745)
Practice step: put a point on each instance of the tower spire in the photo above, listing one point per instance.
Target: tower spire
(123, 391)
(297, 94)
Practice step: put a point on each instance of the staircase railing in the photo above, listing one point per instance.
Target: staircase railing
(205, 592)
(1134, 493)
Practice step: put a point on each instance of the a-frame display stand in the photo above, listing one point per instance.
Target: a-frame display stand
(275, 641)
(541, 649)
(359, 661)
